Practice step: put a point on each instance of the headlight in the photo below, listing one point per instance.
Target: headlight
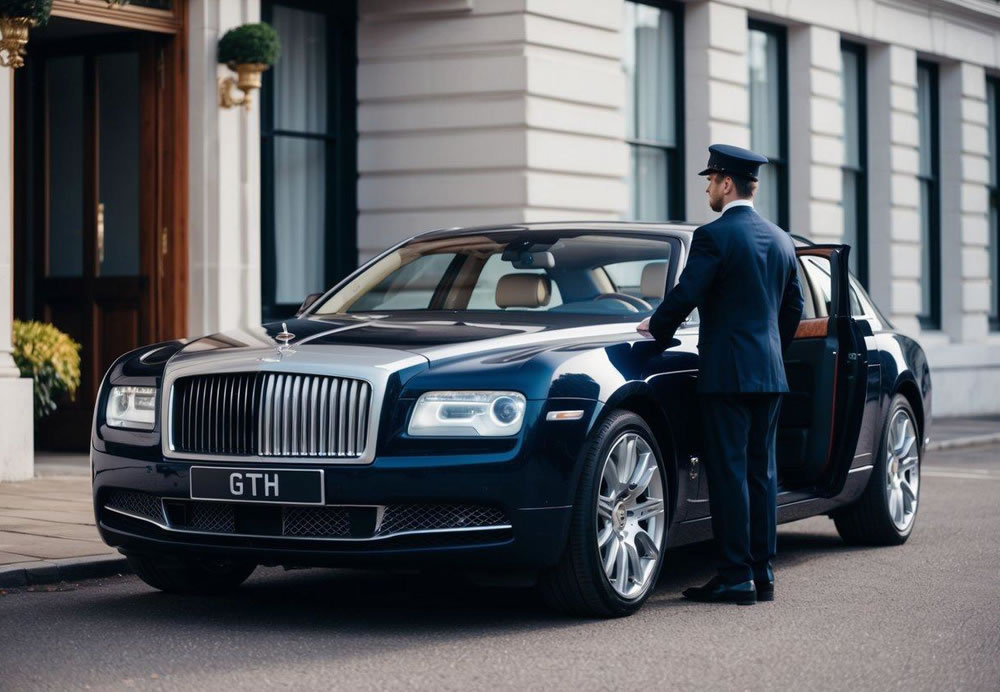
(469, 414)
(131, 407)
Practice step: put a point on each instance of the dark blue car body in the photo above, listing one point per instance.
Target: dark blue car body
(843, 370)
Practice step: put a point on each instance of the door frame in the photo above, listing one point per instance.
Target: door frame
(168, 193)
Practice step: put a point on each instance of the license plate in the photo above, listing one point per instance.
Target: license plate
(284, 486)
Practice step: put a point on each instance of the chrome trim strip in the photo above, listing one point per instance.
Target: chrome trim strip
(165, 527)
(861, 468)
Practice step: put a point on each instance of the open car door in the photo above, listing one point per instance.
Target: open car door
(827, 365)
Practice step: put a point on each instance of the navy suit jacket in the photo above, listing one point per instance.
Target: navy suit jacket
(742, 276)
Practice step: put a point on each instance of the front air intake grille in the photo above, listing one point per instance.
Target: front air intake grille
(403, 518)
(325, 522)
(270, 414)
(135, 503)
(214, 517)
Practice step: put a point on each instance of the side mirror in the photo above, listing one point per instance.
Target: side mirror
(309, 300)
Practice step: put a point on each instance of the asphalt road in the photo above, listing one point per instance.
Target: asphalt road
(924, 616)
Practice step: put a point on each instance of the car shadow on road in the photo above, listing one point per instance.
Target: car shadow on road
(369, 602)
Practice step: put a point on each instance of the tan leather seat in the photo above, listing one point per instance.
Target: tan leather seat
(654, 280)
(523, 291)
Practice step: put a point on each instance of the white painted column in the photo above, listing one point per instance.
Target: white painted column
(487, 112)
(17, 460)
(815, 134)
(717, 103)
(965, 298)
(224, 181)
(904, 190)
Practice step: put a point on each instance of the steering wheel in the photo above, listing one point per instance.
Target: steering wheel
(637, 304)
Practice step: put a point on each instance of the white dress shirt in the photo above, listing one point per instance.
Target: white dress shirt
(738, 203)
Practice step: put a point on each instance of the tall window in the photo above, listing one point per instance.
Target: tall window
(308, 143)
(992, 95)
(855, 180)
(930, 215)
(654, 82)
(768, 118)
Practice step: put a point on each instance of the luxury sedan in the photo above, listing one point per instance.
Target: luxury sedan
(479, 400)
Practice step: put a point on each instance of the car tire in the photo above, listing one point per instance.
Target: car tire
(579, 583)
(190, 576)
(877, 517)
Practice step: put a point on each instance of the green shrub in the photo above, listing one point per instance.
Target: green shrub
(250, 43)
(38, 10)
(50, 358)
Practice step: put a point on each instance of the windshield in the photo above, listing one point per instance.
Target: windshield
(583, 272)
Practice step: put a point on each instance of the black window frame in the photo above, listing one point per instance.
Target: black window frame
(340, 241)
(993, 190)
(932, 319)
(861, 253)
(675, 193)
(780, 34)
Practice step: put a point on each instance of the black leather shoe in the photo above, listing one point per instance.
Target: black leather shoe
(719, 591)
(765, 589)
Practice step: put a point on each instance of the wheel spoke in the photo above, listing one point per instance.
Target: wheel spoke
(612, 557)
(605, 535)
(652, 507)
(611, 477)
(644, 470)
(630, 460)
(907, 463)
(634, 563)
(621, 574)
(908, 496)
(605, 507)
(896, 506)
(644, 541)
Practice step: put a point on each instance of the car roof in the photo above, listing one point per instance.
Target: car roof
(652, 227)
(608, 225)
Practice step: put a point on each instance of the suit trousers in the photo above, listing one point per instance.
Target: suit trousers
(740, 433)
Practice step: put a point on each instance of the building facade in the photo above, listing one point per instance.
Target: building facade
(165, 215)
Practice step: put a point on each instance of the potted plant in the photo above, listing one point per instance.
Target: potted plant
(16, 16)
(50, 358)
(248, 50)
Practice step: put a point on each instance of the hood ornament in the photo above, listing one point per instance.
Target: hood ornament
(284, 336)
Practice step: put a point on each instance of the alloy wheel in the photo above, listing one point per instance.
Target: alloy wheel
(902, 470)
(630, 515)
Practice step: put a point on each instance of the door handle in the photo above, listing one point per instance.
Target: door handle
(100, 234)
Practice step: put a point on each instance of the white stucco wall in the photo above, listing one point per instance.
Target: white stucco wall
(487, 111)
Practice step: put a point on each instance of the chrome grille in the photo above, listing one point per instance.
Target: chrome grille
(400, 518)
(270, 414)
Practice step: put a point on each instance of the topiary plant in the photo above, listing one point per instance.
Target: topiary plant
(250, 43)
(50, 358)
(36, 10)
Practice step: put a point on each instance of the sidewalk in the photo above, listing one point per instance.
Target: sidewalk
(47, 531)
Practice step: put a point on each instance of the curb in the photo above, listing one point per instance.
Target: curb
(69, 569)
(964, 442)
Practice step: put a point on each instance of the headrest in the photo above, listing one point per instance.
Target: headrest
(654, 280)
(523, 291)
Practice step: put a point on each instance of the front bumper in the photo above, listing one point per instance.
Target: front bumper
(502, 509)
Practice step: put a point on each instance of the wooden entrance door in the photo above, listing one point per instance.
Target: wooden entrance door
(97, 208)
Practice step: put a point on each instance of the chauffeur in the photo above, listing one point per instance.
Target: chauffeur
(741, 275)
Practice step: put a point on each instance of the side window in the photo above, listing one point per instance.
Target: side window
(484, 295)
(820, 284)
(410, 287)
(858, 307)
(808, 305)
